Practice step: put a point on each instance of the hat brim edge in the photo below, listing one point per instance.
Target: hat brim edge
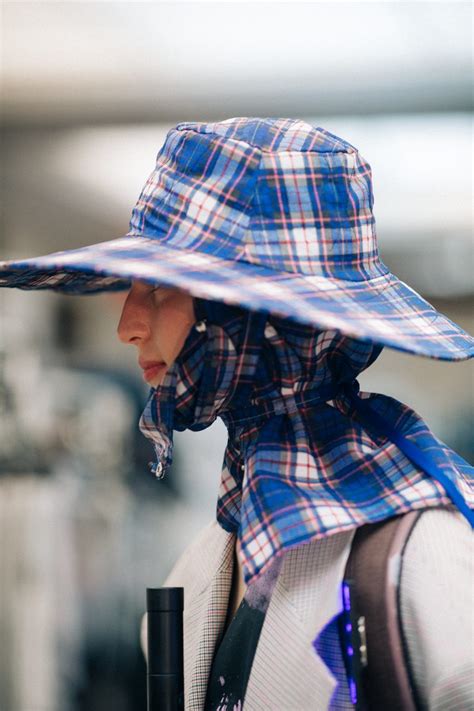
(255, 287)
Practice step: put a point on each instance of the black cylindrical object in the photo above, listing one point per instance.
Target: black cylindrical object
(165, 675)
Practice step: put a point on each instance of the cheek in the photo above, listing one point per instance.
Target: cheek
(171, 328)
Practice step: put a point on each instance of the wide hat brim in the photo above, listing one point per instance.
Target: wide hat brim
(383, 310)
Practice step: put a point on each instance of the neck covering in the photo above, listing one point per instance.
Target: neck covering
(306, 455)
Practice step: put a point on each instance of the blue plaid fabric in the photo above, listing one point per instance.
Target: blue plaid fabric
(301, 461)
(271, 214)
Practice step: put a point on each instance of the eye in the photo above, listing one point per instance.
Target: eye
(155, 288)
(157, 293)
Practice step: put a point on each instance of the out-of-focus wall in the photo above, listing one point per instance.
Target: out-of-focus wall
(89, 91)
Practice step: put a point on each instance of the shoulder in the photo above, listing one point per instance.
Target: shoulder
(203, 549)
(188, 556)
(438, 554)
(189, 568)
(436, 580)
(433, 526)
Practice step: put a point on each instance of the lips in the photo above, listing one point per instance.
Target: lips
(151, 368)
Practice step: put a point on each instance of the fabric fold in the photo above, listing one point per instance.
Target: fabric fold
(304, 459)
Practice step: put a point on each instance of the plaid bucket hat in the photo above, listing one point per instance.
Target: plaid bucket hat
(271, 214)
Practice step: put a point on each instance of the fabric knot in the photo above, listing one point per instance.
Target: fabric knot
(260, 409)
(347, 396)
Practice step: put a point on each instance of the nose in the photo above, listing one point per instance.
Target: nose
(133, 325)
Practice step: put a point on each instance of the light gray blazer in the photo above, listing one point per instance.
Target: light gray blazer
(287, 674)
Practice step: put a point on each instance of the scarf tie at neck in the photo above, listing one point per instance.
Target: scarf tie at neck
(308, 455)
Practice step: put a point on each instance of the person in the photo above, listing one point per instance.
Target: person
(256, 294)
(158, 322)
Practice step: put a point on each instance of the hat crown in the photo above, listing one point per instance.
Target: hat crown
(270, 214)
(272, 135)
(272, 192)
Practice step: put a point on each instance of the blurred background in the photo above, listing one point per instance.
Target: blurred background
(89, 90)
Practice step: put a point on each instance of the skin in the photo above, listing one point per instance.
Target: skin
(157, 321)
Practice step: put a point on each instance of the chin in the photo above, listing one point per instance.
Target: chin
(157, 381)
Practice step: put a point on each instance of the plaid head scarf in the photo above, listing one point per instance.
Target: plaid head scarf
(307, 456)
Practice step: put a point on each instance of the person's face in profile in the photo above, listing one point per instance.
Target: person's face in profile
(157, 321)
